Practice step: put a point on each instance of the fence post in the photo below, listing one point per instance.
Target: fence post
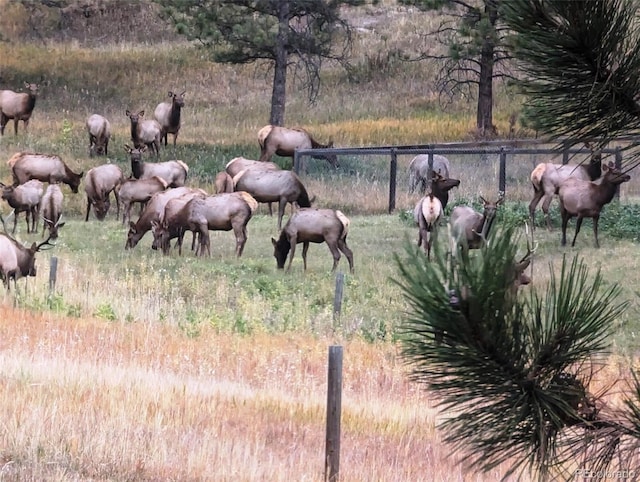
(337, 298)
(334, 407)
(393, 173)
(53, 274)
(502, 187)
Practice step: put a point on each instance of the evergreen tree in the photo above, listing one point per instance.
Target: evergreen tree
(283, 32)
(512, 373)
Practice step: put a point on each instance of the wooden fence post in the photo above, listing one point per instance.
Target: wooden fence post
(393, 174)
(53, 274)
(334, 407)
(502, 183)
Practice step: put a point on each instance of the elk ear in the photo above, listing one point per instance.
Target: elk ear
(61, 224)
(170, 94)
(606, 167)
(128, 113)
(274, 242)
(141, 113)
(522, 265)
(132, 225)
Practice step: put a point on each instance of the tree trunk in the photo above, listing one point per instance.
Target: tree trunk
(278, 95)
(484, 118)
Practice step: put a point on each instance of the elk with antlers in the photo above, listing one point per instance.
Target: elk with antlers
(471, 228)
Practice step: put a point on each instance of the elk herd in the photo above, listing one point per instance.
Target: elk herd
(169, 208)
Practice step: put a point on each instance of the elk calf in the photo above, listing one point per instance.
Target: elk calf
(99, 130)
(17, 106)
(585, 199)
(145, 133)
(168, 116)
(427, 213)
(308, 225)
(51, 209)
(98, 185)
(24, 198)
(138, 191)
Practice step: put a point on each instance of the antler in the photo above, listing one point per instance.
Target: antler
(41, 246)
(4, 226)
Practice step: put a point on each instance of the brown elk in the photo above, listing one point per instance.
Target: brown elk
(173, 223)
(168, 116)
(313, 226)
(547, 177)
(138, 191)
(152, 213)
(585, 199)
(145, 133)
(440, 187)
(419, 170)
(174, 172)
(17, 106)
(471, 228)
(24, 198)
(99, 130)
(284, 141)
(46, 168)
(51, 209)
(427, 213)
(99, 182)
(273, 186)
(223, 183)
(238, 164)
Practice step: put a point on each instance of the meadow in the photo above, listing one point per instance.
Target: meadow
(139, 366)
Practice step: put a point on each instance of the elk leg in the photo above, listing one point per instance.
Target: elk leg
(595, 229)
(86, 218)
(305, 250)
(117, 196)
(293, 241)
(3, 123)
(240, 230)
(537, 196)
(578, 225)
(342, 246)
(545, 208)
(282, 204)
(565, 220)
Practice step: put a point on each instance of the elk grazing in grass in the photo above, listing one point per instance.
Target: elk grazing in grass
(427, 213)
(99, 130)
(99, 182)
(419, 171)
(308, 225)
(585, 199)
(168, 116)
(16, 260)
(24, 198)
(283, 142)
(471, 228)
(152, 212)
(145, 133)
(138, 191)
(51, 210)
(273, 186)
(17, 106)
(174, 172)
(547, 177)
(46, 168)
(173, 223)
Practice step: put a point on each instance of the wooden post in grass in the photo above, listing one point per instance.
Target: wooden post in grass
(53, 273)
(502, 182)
(337, 297)
(334, 407)
(393, 174)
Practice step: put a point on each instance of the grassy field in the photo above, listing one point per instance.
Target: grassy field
(139, 366)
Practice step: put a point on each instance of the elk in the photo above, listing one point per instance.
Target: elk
(99, 130)
(471, 228)
(427, 213)
(238, 164)
(308, 225)
(419, 170)
(98, 185)
(46, 168)
(168, 116)
(51, 209)
(223, 183)
(440, 187)
(547, 177)
(145, 133)
(152, 212)
(585, 199)
(24, 198)
(17, 106)
(284, 142)
(173, 223)
(174, 172)
(138, 191)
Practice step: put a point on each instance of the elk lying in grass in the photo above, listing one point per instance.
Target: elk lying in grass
(585, 199)
(99, 130)
(51, 210)
(173, 223)
(16, 260)
(168, 116)
(98, 185)
(138, 191)
(145, 133)
(46, 168)
(547, 177)
(284, 142)
(273, 186)
(471, 228)
(17, 106)
(427, 213)
(313, 226)
(152, 212)
(24, 198)
(419, 171)
(174, 172)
